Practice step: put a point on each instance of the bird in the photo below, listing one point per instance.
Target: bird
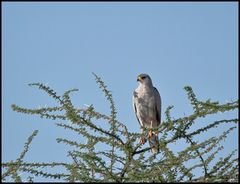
(147, 107)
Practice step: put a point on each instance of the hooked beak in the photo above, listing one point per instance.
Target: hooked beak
(139, 79)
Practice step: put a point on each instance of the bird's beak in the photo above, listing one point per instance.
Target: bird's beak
(139, 79)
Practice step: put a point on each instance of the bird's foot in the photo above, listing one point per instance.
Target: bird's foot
(142, 140)
(151, 133)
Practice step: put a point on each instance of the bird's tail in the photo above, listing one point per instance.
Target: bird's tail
(154, 144)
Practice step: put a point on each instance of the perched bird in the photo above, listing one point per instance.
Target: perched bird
(147, 107)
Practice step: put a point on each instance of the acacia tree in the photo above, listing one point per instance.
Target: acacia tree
(123, 158)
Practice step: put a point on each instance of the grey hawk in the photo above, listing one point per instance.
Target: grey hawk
(147, 107)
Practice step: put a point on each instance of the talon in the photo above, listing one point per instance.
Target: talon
(150, 133)
(142, 140)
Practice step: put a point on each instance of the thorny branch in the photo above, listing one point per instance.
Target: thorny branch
(123, 159)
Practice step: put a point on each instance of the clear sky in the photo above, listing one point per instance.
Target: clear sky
(61, 44)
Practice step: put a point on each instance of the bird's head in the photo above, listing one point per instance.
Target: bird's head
(144, 79)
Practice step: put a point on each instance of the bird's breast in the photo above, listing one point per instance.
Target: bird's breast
(146, 105)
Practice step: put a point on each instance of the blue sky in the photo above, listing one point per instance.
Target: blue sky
(61, 44)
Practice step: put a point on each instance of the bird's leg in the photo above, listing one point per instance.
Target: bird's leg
(143, 139)
(150, 133)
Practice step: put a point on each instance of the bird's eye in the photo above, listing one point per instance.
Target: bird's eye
(143, 77)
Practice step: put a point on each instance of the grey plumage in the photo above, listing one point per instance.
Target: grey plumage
(147, 107)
